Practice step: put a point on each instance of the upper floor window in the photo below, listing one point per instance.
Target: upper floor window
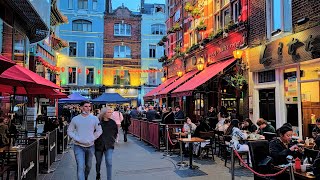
(90, 49)
(226, 11)
(72, 49)
(94, 4)
(152, 77)
(122, 77)
(122, 52)
(235, 11)
(70, 4)
(83, 4)
(90, 75)
(81, 25)
(158, 29)
(152, 51)
(279, 16)
(122, 29)
(72, 75)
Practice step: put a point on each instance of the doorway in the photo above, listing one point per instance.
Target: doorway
(267, 106)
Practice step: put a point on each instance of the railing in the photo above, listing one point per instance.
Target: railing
(154, 135)
(136, 128)
(144, 129)
(52, 147)
(28, 166)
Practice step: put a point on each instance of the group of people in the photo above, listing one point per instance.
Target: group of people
(96, 135)
(8, 131)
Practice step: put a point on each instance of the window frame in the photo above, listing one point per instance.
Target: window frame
(86, 75)
(119, 51)
(87, 49)
(70, 4)
(152, 51)
(75, 73)
(122, 81)
(119, 30)
(76, 47)
(159, 28)
(94, 4)
(81, 22)
(155, 76)
(83, 2)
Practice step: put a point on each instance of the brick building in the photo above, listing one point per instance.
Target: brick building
(122, 48)
(283, 54)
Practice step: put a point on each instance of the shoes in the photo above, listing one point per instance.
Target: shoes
(98, 177)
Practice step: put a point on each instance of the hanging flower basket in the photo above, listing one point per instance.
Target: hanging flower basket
(164, 39)
(237, 81)
(176, 27)
(195, 13)
(161, 43)
(188, 7)
(201, 26)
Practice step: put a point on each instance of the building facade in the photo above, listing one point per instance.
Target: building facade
(284, 62)
(202, 36)
(153, 30)
(122, 49)
(81, 63)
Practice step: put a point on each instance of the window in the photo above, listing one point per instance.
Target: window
(279, 16)
(217, 22)
(72, 75)
(235, 11)
(94, 4)
(70, 4)
(72, 49)
(177, 16)
(81, 25)
(122, 29)
(152, 51)
(122, 77)
(226, 17)
(266, 76)
(152, 77)
(90, 49)
(158, 29)
(82, 4)
(90, 75)
(122, 52)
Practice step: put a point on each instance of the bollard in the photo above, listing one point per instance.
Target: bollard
(167, 142)
(291, 170)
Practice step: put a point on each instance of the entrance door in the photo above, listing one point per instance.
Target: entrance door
(267, 106)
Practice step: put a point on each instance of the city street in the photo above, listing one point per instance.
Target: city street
(135, 160)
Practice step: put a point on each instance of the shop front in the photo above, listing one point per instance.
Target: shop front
(286, 81)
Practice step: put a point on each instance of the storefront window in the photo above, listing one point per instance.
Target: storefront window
(19, 47)
(199, 104)
(310, 70)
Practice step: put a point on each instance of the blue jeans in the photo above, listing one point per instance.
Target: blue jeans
(83, 157)
(108, 161)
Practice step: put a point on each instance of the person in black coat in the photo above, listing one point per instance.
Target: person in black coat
(125, 124)
(280, 148)
(168, 116)
(151, 114)
(179, 113)
(249, 126)
(105, 143)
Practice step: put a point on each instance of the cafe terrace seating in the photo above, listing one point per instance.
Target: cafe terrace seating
(259, 150)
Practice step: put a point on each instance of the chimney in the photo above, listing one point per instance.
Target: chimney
(142, 7)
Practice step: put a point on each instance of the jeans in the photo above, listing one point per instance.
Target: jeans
(83, 157)
(108, 161)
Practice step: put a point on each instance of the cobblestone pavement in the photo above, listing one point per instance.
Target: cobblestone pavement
(135, 160)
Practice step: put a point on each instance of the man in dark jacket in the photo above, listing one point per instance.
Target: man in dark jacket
(134, 113)
(151, 114)
(105, 143)
(179, 113)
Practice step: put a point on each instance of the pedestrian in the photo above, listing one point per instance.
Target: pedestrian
(118, 118)
(105, 143)
(125, 124)
(84, 129)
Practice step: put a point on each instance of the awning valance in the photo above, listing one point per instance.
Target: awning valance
(152, 93)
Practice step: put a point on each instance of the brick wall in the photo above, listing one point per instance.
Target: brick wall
(133, 41)
(257, 22)
(305, 8)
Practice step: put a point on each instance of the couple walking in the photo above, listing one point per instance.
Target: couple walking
(93, 135)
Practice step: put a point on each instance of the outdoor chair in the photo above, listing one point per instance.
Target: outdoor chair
(259, 156)
(228, 149)
(208, 147)
(310, 154)
(218, 141)
(269, 136)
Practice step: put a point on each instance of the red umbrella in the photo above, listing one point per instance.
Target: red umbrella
(5, 63)
(23, 80)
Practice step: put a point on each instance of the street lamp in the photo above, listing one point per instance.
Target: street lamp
(163, 79)
(179, 73)
(200, 64)
(237, 54)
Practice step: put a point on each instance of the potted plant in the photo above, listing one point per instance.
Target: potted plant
(163, 58)
(164, 39)
(237, 81)
(177, 49)
(176, 27)
(201, 26)
(160, 43)
(188, 7)
(195, 13)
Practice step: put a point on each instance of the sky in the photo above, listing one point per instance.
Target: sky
(133, 5)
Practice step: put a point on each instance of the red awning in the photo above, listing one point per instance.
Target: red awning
(177, 83)
(201, 78)
(5, 63)
(150, 94)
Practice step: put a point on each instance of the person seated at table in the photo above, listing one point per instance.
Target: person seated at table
(249, 126)
(4, 131)
(226, 125)
(189, 126)
(316, 129)
(317, 144)
(280, 148)
(179, 113)
(237, 135)
(151, 114)
(264, 126)
(13, 132)
(168, 116)
(220, 124)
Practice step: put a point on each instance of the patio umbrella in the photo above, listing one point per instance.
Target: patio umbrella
(5, 63)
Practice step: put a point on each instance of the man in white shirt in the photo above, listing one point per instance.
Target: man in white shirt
(84, 129)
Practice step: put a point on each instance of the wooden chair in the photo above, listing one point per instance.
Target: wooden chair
(210, 146)
(310, 154)
(259, 152)
(228, 149)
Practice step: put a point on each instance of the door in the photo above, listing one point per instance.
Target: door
(267, 106)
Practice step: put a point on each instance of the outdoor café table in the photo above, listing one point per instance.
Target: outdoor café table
(191, 141)
(298, 174)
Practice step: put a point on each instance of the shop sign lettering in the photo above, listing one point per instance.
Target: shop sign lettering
(224, 48)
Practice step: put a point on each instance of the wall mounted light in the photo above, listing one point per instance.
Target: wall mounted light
(200, 64)
(163, 79)
(237, 54)
(179, 73)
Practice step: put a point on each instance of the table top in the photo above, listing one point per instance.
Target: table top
(193, 139)
(303, 175)
(180, 133)
(11, 148)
